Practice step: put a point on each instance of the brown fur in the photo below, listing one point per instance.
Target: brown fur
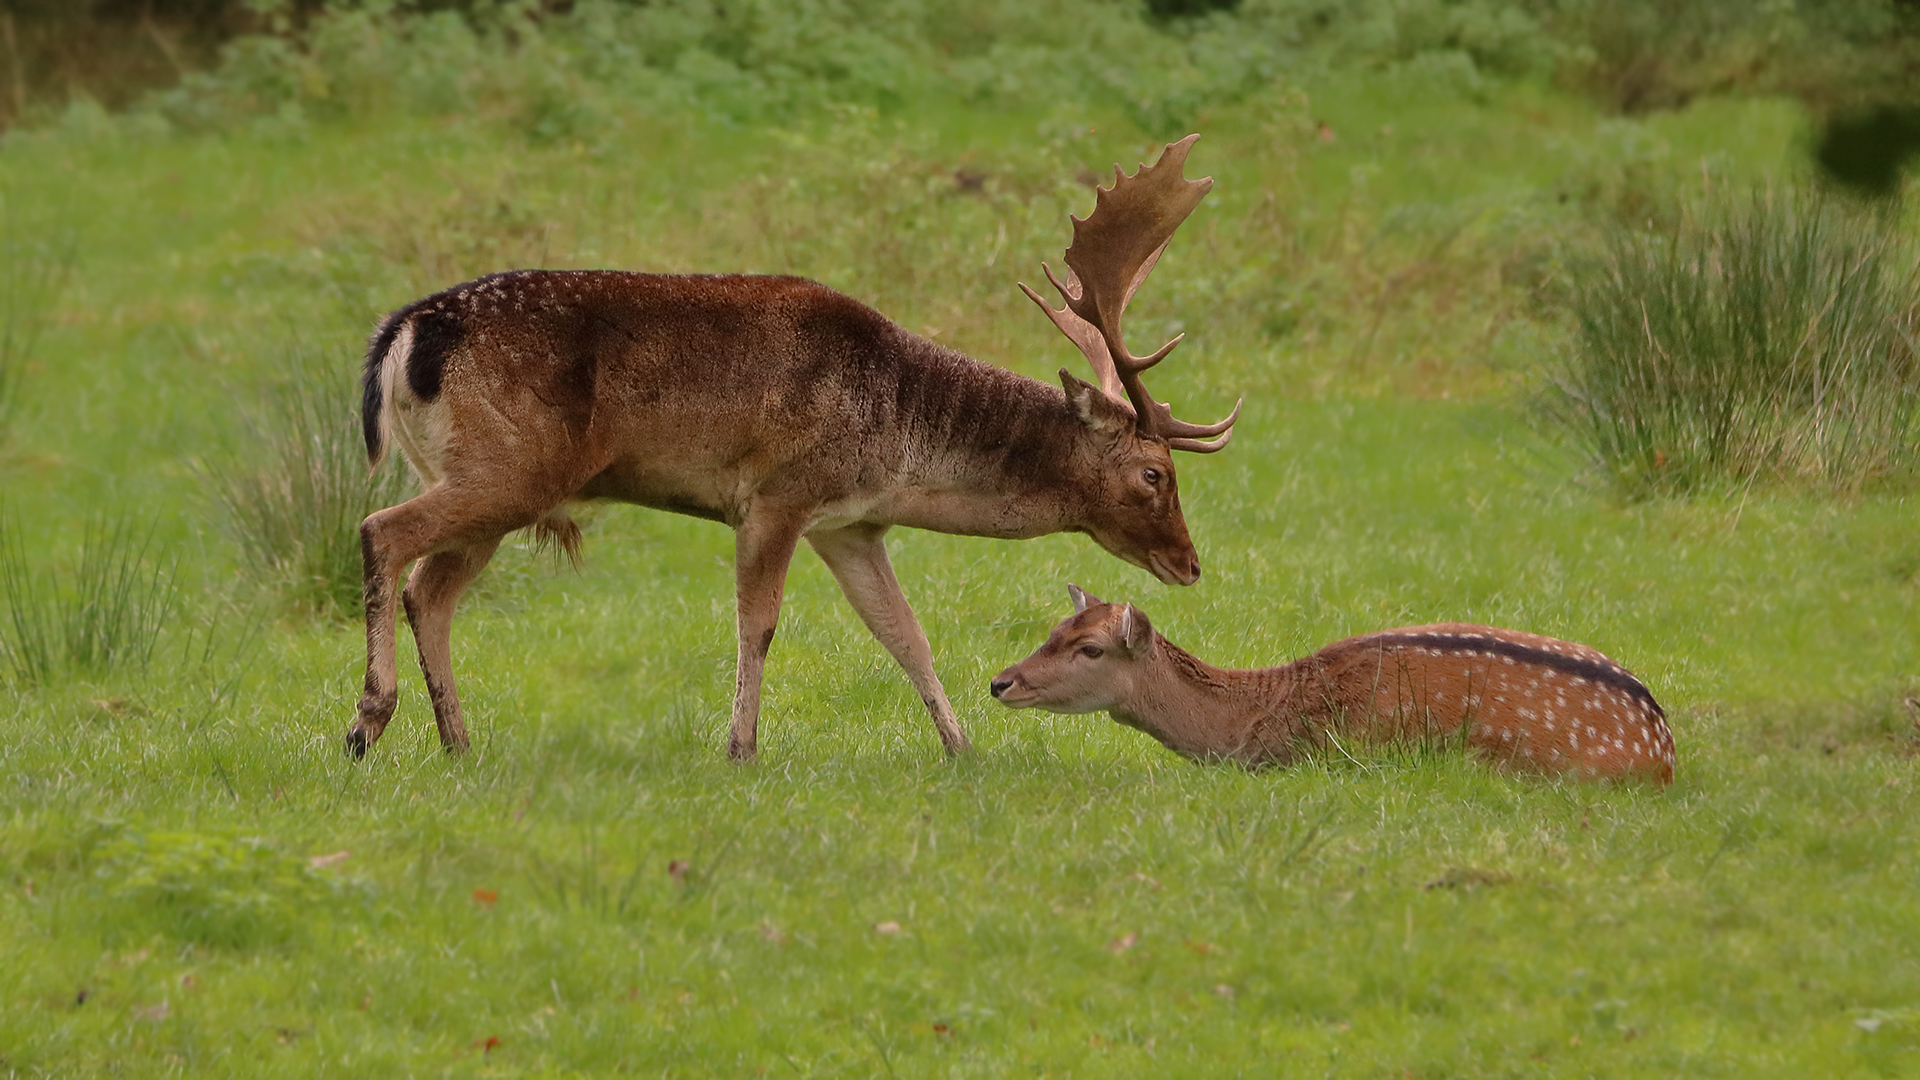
(773, 404)
(1516, 699)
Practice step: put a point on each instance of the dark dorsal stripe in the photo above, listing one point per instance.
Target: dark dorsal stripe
(1604, 674)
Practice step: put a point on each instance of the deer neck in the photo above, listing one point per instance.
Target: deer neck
(987, 452)
(1199, 710)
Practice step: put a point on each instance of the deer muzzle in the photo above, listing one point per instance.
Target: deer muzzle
(1180, 568)
(1010, 690)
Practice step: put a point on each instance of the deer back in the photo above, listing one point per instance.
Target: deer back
(1527, 701)
(695, 393)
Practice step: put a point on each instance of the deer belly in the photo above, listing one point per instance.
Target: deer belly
(693, 494)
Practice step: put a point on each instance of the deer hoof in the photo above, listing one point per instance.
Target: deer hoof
(357, 743)
(742, 753)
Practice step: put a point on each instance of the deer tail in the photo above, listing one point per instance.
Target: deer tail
(387, 349)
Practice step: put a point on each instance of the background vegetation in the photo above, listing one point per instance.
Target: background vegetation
(1480, 269)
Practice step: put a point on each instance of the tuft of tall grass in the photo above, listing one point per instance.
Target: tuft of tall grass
(1768, 337)
(293, 495)
(107, 613)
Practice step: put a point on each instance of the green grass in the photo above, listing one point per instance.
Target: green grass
(595, 890)
(34, 264)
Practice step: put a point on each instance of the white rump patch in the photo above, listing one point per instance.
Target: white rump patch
(418, 427)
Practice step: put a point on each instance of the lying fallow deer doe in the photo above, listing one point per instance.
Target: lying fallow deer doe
(777, 406)
(1525, 701)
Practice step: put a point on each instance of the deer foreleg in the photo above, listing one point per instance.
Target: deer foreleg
(432, 590)
(381, 689)
(762, 549)
(440, 519)
(857, 555)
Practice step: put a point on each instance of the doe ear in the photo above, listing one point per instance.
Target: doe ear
(1082, 599)
(1103, 416)
(1136, 633)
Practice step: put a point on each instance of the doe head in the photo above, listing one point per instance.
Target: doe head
(1087, 663)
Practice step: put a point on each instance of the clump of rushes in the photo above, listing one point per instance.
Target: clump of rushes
(1770, 338)
(293, 492)
(106, 614)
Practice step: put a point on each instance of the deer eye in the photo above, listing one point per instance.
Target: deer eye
(1092, 652)
(1151, 476)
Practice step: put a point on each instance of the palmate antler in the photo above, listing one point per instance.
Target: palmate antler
(1114, 249)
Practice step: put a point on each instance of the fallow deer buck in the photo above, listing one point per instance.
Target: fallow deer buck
(1520, 700)
(779, 407)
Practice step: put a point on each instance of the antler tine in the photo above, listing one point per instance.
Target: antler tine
(1181, 435)
(1084, 335)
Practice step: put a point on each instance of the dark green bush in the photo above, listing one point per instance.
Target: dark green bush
(1769, 337)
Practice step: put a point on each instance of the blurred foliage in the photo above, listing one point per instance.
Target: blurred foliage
(559, 66)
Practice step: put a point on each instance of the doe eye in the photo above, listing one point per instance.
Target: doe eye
(1152, 476)
(1092, 652)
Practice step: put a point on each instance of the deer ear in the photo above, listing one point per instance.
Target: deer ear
(1082, 599)
(1136, 633)
(1103, 416)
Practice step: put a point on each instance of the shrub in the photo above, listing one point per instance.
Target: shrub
(107, 613)
(1766, 338)
(293, 495)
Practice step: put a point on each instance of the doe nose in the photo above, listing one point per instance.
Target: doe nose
(999, 686)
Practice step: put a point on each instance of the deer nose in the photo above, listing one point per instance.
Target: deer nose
(999, 686)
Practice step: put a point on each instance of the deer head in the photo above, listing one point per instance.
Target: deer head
(1086, 664)
(1113, 250)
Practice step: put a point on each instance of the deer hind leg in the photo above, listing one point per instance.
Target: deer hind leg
(432, 591)
(762, 549)
(857, 555)
(440, 519)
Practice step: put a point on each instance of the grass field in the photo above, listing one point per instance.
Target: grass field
(196, 881)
